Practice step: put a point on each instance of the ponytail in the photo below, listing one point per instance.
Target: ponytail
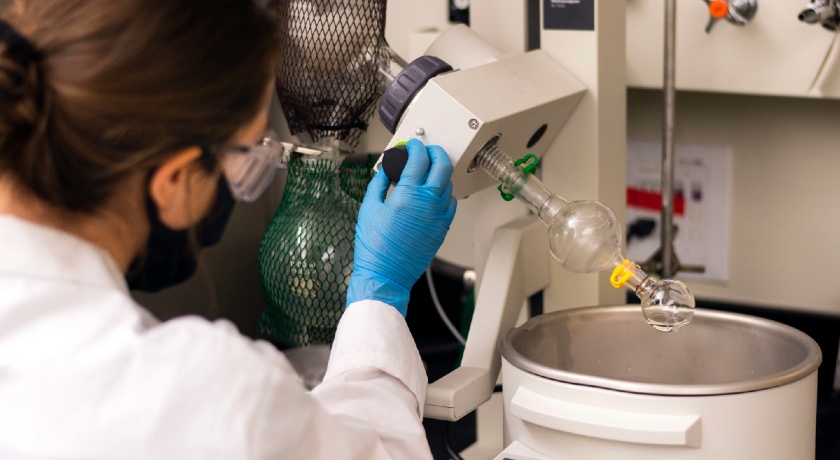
(21, 100)
(93, 91)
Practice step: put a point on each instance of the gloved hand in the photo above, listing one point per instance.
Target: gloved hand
(397, 238)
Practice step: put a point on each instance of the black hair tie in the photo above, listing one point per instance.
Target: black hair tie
(17, 46)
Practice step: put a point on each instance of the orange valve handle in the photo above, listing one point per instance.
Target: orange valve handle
(718, 9)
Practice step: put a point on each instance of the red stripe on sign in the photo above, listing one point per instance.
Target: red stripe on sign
(652, 201)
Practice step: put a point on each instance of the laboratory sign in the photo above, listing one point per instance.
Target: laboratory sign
(569, 14)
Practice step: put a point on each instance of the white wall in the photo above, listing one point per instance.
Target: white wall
(786, 164)
(774, 54)
(786, 206)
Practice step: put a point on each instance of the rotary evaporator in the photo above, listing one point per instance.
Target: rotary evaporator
(582, 383)
(588, 382)
(445, 101)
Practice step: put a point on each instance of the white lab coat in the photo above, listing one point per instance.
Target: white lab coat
(86, 373)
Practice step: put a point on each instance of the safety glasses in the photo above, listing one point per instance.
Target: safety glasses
(249, 169)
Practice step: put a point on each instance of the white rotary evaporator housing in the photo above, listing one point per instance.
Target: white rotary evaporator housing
(495, 104)
(587, 383)
(516, 102)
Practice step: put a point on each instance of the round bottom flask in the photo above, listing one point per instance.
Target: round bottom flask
(585, 237)
(306, 256)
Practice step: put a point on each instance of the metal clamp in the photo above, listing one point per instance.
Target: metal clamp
(289, 149)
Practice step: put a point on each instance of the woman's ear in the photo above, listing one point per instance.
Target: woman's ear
(169, 188)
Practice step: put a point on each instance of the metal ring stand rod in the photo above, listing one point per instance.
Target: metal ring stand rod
(668, 268)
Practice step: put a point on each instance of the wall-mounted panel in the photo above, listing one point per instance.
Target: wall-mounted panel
(774, 54)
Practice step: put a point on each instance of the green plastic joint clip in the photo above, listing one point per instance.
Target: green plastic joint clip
(530, 161)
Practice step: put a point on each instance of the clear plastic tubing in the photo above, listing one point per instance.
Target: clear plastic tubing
(585, 237)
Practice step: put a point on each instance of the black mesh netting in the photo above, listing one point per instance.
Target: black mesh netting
(306, 256)
(328, 78)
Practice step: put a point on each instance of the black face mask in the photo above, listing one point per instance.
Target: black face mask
(170, 259)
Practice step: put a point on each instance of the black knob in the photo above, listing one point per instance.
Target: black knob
(402, 90)
(393, 162)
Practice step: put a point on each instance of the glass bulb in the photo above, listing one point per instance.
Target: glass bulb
(585, 237)
(667, 305)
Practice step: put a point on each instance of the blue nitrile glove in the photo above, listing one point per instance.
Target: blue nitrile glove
(397, 238)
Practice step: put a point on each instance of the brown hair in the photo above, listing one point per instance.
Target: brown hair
(121, 85)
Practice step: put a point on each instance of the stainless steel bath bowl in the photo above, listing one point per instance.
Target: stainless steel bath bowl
(613, 347)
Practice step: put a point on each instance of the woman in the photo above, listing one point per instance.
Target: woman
(118, 120)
